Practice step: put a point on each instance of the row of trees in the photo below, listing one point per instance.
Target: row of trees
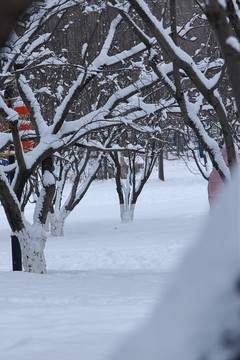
(139, 73)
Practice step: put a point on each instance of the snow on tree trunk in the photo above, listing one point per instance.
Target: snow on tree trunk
(57, 226)
(127, 212)
(127, 208)
(57, 222)
(46, 226)
(32, 241)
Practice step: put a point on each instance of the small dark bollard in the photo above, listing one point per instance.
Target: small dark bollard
(16, 254)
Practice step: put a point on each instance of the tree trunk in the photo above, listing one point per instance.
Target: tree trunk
(32, 243)
(127, 212)
(57, 225)
(105, 169)
(9, 11)
(46, 226)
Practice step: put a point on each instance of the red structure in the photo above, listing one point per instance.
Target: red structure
(25, 125)
(21, 110)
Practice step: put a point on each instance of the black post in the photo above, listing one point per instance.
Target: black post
(16, 248)
(16, 254)
(160, 165)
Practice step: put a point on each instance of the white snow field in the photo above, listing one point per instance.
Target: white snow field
(104, 277)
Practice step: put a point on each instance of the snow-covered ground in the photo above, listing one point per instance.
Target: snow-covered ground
(103, 277)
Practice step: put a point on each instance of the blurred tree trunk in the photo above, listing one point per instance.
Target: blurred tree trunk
(9, 11)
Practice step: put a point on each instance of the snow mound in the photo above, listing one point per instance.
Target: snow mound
(199, 316)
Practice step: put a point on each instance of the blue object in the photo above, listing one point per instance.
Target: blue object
(200, 150)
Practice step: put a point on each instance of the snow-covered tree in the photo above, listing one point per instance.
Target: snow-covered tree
(117, 105)
(75, 173)
(132, 169)
(195, 82)
(224, 17)
(112, 83)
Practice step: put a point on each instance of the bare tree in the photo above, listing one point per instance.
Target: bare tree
(131, 174)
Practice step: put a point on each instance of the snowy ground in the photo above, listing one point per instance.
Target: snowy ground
(103, 277)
